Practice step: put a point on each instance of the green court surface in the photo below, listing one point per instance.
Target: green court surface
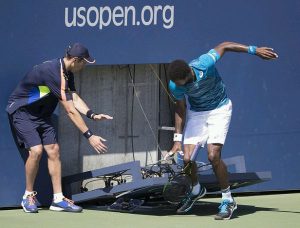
(278, 210)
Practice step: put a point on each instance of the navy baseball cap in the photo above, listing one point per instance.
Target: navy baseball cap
(80, 51)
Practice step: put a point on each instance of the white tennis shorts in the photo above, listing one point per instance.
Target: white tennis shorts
(208, 126)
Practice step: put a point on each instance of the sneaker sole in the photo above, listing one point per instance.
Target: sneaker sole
(53, 208)
(25, 210)
(219, 218)
(189, 208)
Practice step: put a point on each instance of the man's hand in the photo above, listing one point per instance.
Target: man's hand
(102, 117)
(266, 53)
(96, 143)
(176, 147)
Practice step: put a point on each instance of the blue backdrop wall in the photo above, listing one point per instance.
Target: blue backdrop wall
(266, 121)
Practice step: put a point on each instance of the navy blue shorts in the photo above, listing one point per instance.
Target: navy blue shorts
(31, 130)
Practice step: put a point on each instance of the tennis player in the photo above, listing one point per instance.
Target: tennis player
(202, 115)
(30, 107)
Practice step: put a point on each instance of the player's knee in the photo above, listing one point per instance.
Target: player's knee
(214, 157)
(214, 154)
(186, 158)
(53, 151)
(36, 152)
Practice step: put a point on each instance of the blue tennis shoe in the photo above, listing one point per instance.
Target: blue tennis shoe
(187, 203)
(29, 204)
(226, 210)
(65, 205)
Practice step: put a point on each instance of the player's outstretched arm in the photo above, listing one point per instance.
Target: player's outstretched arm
(95, 141)
(263, 52)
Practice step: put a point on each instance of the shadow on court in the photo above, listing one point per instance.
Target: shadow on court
(199, 209)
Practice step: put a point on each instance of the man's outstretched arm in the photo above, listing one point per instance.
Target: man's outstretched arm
(94, 140)
(263, 52)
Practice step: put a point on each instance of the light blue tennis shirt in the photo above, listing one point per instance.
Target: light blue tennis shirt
(208, 91)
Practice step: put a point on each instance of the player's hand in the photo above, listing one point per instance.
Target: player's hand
(176, 147)
(102, 117)
(266, 53)
(96, 142)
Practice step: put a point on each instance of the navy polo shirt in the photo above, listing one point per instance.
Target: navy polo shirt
(42, 87)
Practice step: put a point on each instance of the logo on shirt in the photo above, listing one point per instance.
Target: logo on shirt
(200, 74)
(11, 104)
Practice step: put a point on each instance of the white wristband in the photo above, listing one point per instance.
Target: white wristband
(177, 137)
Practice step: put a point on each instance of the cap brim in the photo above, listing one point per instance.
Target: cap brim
(90, 60)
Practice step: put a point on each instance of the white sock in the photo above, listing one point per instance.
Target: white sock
(196, 189)
(27, 193)
(226, 194)
(58, 197)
